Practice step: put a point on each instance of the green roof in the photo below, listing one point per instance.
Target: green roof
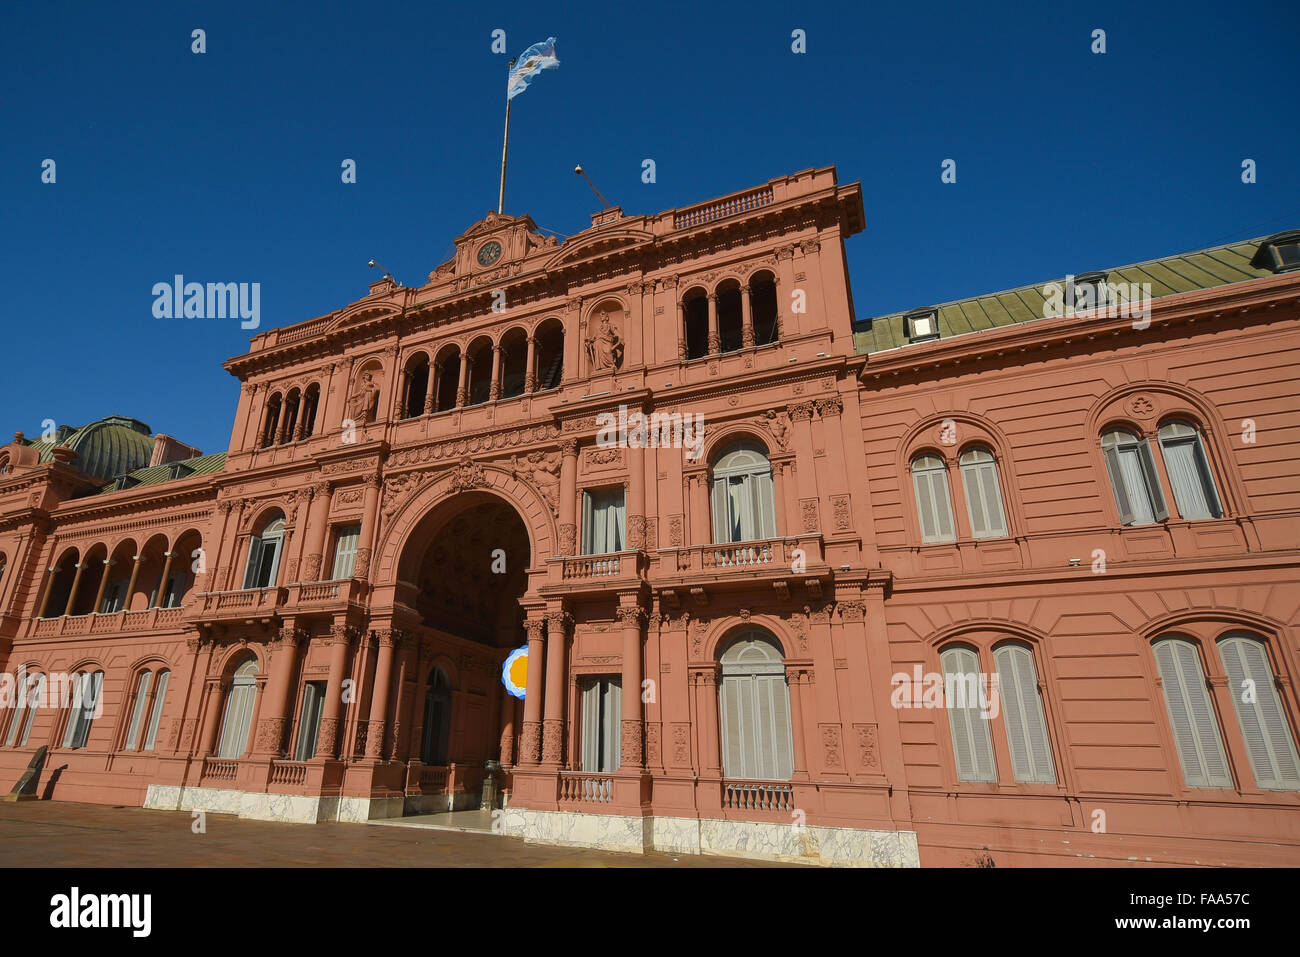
(1204, 269)
(170, 471)
(105, 448)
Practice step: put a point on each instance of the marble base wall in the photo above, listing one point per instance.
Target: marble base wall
(285, 808)
(832, 846)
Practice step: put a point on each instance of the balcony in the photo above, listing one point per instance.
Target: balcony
(328, 596)
(596, 573)
(773, 559)
(584, 788)
(240, 605)
(107, 623)
(758, 796)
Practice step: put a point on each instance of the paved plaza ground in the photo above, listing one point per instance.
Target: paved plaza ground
(62, 834)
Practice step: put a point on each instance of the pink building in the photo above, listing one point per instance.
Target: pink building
(752, 638)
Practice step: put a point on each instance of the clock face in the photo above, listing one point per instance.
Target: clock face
(489, 253)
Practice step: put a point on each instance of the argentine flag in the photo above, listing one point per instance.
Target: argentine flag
(538, 57)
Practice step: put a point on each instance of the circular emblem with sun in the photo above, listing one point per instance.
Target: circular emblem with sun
(514, 673)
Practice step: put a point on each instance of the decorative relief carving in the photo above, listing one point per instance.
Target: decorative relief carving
(808, 508)
(800, 412)
(840, 513)
(833, 405)
(469, 474)
(652, 745)
(604, 457)
(852, 610)
(632, 745)
(1142, 406)
(681, 744)
(675, 531)
(362, 568)
(868, 750)
(568, 535)
(552, 741)
(831, 747)
(636, 531)
(530, 743)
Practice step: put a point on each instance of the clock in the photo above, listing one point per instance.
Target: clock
(489, 253)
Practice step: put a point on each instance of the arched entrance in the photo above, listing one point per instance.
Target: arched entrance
(461, 574)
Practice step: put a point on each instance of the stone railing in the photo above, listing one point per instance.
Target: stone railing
(580, 787)
(729, 206)
(102, 623)
(288, 772)
(240, 601)
(757, 796)
(777, 555)
(433, 780)
(216, 769)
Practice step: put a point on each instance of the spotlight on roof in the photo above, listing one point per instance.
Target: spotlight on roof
(387, 275)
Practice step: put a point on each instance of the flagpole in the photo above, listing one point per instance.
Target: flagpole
(505, 146)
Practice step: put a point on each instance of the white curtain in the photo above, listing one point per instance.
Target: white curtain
(137, 713)
(159, 699)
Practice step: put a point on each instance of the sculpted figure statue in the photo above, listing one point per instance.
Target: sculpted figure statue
(605, 348)
(364, 403)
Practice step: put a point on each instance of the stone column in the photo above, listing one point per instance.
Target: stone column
(460, 381)
(430, 393)
(681, 331)
(280, 420)
(710, 730)
(715, 341)
(369, 518)
(632, 618)
(636, 497)
(557, 628)
(130, 585)
(212, 716)
(530, 373)
(103, 583)
(162, 582)
(50, 575)
(274, 720)
(568, 497)
(798, 679)
(71, 606)
(327, 742)
(508, 700)
(530, 750)
(494, 390)
(746, 318)
(377, 726)
(317, 528)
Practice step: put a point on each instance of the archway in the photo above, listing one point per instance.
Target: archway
(462, 571)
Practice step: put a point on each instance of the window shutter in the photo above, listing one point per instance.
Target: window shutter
(254, 559)
(1212, 500)
(975, 506)
(1158, 507)
(732, 748)
(591, 726)
(1263, 723)
(1022, 710)
(18, 712)
(989, 485)
(613, 704)
(765, 503)
(37, 693)
(345, 552)
(1126, 516)
(1196, 732)
(159, 699)
(588, 524)
(718, 503)
(933, 505)
(971, 743)
(137, 712)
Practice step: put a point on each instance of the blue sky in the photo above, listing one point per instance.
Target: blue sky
(225, 166)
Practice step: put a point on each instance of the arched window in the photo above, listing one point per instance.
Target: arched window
(1133, 478)
(437, 719)
(150, 696)
(86, 704)
(754, 705)
(264, 555)
(549, 348)
(602, 721)
(417, 386)
(933, 504)
(972, 746)
(310, 402)
(744, 509)
(1022, 713)
(1191, 714)
(979, 479)
(762, 303)
(272, 422)
(1189, 471)
(730, 320)
(695, 315)
(30, 691)
(239, 711)
(447, 370)
(1264, 726)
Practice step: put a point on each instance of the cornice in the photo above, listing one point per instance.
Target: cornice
(1265, 294)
